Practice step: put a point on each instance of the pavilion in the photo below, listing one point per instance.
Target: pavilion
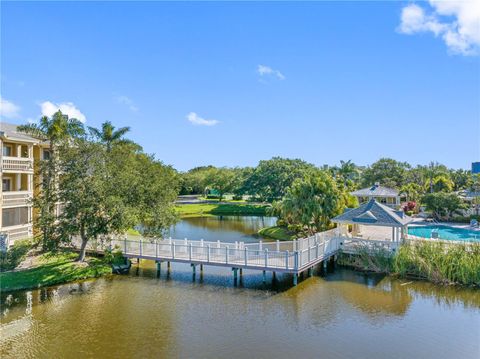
(373, 214)
(384, 195)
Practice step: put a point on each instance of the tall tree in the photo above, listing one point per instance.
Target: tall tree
(140, 191)
(310, 203)
(108, 135)
(56, 131)
(270, 179)
(387, 172)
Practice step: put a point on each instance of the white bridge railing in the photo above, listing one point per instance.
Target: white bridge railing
(291, 256)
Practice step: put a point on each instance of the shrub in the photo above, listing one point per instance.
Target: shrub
(15, 254)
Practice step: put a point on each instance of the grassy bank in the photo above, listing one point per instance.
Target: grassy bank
(222, 209)
(53, 268)
(278, 233)
(436, 262)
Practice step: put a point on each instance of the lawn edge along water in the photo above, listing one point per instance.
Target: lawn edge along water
(220, 209)
(52, 269)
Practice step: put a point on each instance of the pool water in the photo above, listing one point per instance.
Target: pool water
(446, 232)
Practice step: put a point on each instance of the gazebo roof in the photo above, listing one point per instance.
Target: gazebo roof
(373, 213)
(375, 191)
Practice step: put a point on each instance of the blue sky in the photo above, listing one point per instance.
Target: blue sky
(230, 84)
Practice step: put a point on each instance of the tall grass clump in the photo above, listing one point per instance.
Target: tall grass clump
(378, 260)
(439, 262)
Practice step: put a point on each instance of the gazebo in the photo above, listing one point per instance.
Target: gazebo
(373, 214)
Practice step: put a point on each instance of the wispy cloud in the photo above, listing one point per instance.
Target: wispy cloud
(127, 102)
(264, 70)
(194, 119)
(8, 109)
(457, 23)
(68, 108)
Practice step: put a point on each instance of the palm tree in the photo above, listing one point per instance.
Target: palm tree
(56, 130)
(108, 135)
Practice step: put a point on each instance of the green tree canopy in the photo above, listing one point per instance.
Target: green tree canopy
(442, 204)
(310, 203)
(270, 179)
(387, 172)
(106, 192)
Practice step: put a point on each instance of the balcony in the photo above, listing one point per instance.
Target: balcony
(17, 164)
(18, 232)
(16, 198)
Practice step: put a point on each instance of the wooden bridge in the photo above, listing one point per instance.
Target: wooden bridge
(292, 257)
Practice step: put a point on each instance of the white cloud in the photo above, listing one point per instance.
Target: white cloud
(264, 70)
(199, 121)
(456, 22)
(67, 108)
(8, 109)
(128, 102)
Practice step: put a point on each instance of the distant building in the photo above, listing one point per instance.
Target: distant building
(384, 195)
(475, 167)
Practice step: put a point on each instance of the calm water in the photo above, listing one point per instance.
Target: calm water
(446, 232)
(342, 314)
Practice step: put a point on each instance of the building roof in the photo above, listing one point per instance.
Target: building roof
(375, 191)
(9, 131)
(373, 213)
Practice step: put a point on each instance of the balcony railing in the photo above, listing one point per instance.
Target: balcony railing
(16, 198)
(18, 232)
(17, 164)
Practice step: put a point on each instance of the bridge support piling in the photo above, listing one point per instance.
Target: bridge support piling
(295, 279)
(235, 272)
(168, 265)
(194, 267)
(310, 271)
(264, 276)
(241, 272)
(159, 267)
(325, 266)
(201, 268)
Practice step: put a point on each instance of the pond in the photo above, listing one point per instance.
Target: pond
(340, 314)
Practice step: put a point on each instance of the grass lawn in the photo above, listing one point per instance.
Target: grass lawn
(53, 268)
(275, 232)
(225, 209)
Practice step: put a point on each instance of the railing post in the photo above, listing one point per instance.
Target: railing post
(278, 245)
(316, 250)
(218, 244)
(286, 259)
(208, 253)
(226, 254)
(260, 246)
(125, 246)
(173, 249)
(266, 257)
(295, 261)
(308, 256)
(156, 248)
(246, 256)
(190, 251)
(140, 242)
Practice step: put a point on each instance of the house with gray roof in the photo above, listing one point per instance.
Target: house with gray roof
(375, 214)
(387, 196)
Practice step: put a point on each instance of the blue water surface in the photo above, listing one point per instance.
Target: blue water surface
(446, 232)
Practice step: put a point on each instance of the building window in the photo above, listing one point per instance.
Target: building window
(7, 150)
(46, 154)
(14, 216)
(6, 184)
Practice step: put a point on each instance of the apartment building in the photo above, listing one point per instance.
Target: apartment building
(18, 155)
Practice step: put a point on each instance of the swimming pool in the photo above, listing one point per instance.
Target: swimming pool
(446, 232)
